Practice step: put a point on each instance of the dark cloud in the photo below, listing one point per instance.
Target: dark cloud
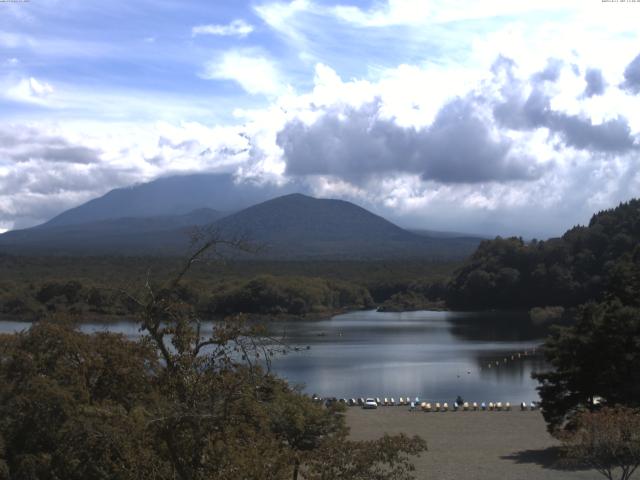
(612, 136)
(457, 148)
(23, 145)
(518, 112)
(595, 82)
(551, 73)
(632, 76)
(65, 154)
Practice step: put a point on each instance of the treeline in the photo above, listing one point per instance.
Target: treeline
(31, 287)
(269, 295)
(598, 262)
(261, 295)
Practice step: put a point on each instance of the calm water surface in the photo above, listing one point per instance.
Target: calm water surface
(433, 355)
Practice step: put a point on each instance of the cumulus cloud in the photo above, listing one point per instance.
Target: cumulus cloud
(632, 76)
(30, 90)
(237, 28)
(44, 171)
(519, 111)
(595, 82)
(551, 73)
(457, 148)
(27, 144)
(252, 70)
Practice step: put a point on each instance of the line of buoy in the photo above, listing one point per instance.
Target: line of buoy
(515, 356)
(428, 406)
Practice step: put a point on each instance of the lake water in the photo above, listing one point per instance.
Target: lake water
(433, 355)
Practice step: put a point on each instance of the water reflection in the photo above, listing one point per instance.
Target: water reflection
(433, 355)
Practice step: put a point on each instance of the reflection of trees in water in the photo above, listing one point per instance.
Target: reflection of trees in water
(497, 326)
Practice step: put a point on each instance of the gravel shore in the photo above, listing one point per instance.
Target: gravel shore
(471, 445)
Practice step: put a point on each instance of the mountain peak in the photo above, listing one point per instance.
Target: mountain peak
(292, 226)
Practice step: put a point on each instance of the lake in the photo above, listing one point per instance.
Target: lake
(433, 355)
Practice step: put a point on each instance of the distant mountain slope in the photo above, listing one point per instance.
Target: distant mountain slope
(175, 195)
(165, 234)
(289, 227)
(439, 234)
(297, 226)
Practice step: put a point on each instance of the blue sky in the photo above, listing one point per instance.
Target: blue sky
(483, 116)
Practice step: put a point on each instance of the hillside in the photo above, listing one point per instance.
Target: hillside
(164, 234)
(176, 195)
(594, 262)
(289, 227)
(296, 225)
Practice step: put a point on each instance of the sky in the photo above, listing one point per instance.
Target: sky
(483, 116)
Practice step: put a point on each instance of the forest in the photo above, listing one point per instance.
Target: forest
(105, 407)
(596, 262)
(92, 287)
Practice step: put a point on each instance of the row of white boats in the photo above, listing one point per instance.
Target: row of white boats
(427, 406)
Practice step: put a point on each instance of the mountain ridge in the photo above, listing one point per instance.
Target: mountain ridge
(293, 226)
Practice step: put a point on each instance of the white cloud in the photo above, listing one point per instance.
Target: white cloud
(237, 28)
(251, 69)
(30, 90)
(418, 12)
(47, 168)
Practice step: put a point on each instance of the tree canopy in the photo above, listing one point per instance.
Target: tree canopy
(592, 263)
(188, 400)
(597, 358)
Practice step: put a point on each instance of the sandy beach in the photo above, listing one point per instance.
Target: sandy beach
(471, 445)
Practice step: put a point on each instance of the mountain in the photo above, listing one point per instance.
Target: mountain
(293, 226)
(163, 234)
(301, 226)
(175, 195)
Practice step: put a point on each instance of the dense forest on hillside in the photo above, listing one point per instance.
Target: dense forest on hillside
(34, 286)
(597, 262)
(594, 262)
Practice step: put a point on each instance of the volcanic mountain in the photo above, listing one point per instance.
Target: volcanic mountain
(292, 226)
